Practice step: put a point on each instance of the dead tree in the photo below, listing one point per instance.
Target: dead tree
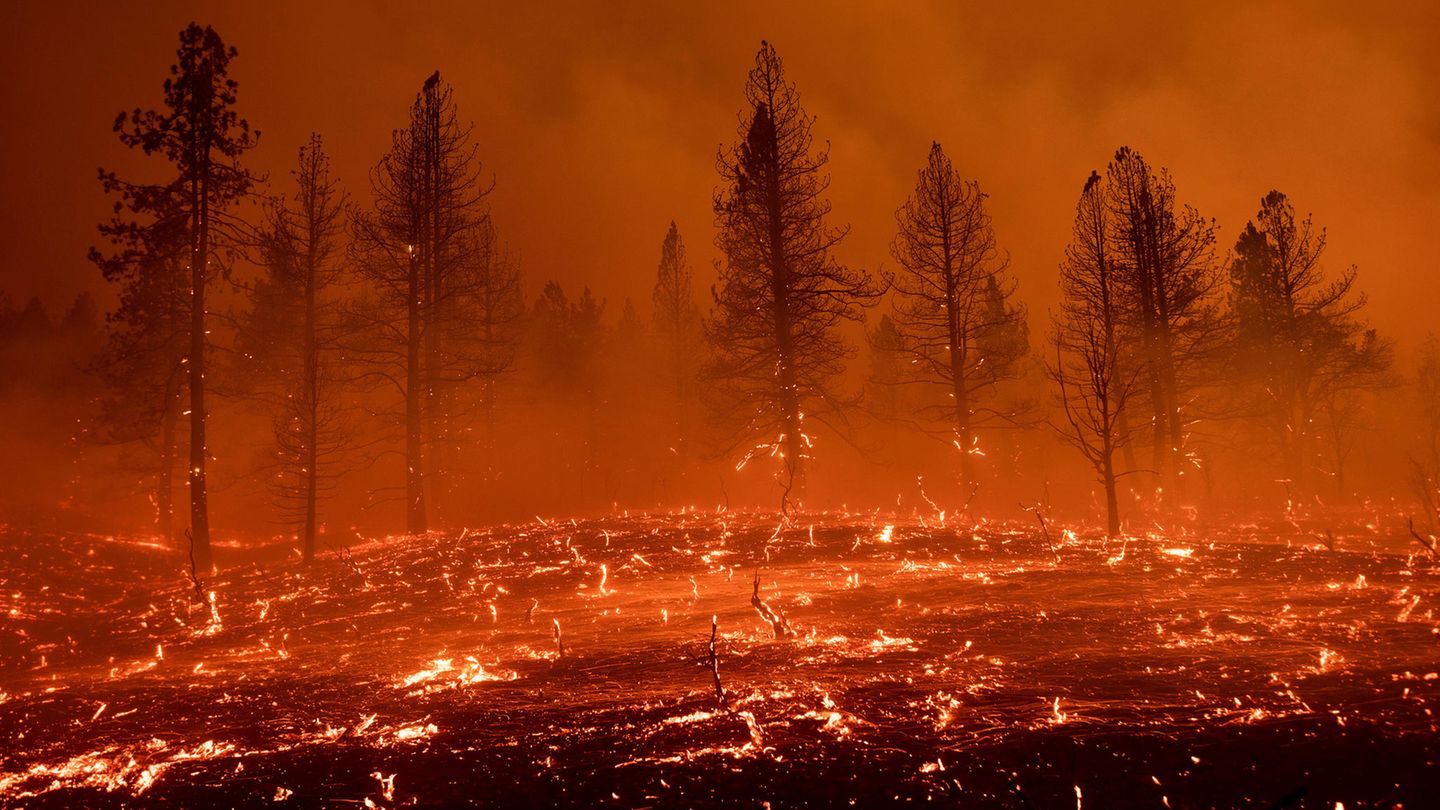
(1426, 543)
(1090, 367)
(289, 342)
(958, 328)
(781, 294)
(1165, 276)
(416, 248)
(714, 665)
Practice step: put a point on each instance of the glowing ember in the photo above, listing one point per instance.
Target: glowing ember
(952, 668)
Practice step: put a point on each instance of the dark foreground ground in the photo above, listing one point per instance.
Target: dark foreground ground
(978, 668)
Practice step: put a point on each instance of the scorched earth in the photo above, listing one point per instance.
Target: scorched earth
(877, 661)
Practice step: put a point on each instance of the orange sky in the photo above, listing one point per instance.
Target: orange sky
(600, 121)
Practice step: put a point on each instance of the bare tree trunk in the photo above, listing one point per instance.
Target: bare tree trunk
(415, 522)
(962, 423)
(437, 409)
(1112, 502)
(789, 394)
(312, 410)
(434, 411)
(199, 259)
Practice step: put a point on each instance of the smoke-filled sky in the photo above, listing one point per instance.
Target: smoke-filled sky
(600, 121)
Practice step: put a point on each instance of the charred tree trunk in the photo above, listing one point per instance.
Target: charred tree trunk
(415, 516)
(199, 259)
(1112, 503)
(962, 420)
(785, 346)
(311, 382)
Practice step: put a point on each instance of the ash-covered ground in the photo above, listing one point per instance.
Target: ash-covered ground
(979, 666)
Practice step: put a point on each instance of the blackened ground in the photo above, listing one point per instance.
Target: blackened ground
(979, 666)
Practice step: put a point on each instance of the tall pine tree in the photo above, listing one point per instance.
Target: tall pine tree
(958, 325)
(200, 134)
(781, 294)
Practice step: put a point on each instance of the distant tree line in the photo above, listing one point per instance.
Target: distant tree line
(396, 326)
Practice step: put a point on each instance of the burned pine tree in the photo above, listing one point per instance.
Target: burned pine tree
(570, 342)
(416, 247)
(489, 326)
(1096, 381)
(953, 311)
(1301, 348)
(1167, 275)
(888, 372)
(781, 294)
(289, 340)
(199, 133)
(675, 321)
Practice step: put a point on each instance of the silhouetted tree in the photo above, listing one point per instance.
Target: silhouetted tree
(1166, 274)
(416, 247)
(781, 294)
(289, 340)
(82, 318)
(200, 134)
(953, 312)
(570, 340)
(887, 369)
(494, 313)
(1095, 378)
(1299, 343)
(676, 323)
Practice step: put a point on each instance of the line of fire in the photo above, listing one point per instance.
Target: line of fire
(642, 413)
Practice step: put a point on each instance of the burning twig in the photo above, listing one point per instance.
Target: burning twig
(969, 499)
(1426, 543)
(559, 641)
(775, 618)
(1045, 532)
(715, 667)
(342, 551)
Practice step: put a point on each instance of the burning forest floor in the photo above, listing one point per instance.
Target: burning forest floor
(980, 666)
